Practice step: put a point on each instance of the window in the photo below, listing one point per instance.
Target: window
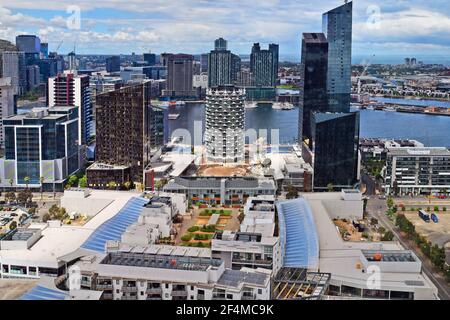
(259, 291)
(229, 296)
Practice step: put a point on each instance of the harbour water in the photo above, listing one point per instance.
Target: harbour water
(433, 131)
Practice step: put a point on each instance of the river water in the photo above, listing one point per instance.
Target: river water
(433, 131)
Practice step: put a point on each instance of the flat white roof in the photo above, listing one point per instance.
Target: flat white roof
(61, 241)
(342, 258)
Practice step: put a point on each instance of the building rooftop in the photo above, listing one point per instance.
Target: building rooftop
(417, 152)
(234, 278)
(142, 259)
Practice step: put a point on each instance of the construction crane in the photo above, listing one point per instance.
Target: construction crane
(366, 67)
(59, 45)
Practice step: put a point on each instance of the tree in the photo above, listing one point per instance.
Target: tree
(390, 202)
(388, 236)
(25, 197)
(13, 225)
(27, 181)
(10, 197)
(292, 192)
(73, 181)
(112, 185)
(330, 187)
(82, 183)
(41, 180)
(127, 185)
(11, 182)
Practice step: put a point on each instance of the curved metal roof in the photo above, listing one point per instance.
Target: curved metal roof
(298, 234)
(116, 226)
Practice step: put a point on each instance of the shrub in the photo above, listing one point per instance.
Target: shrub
(444, 209)
(436, 208)
(388, 236)
(403, 209)
(193, 229)
(187, 237)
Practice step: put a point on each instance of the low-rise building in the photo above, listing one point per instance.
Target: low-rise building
(363, 269)
(138, 273)
(417, 171)
(223, 190)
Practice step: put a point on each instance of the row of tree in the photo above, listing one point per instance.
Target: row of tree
(435, 253)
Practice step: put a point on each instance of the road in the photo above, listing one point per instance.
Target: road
(377, 208)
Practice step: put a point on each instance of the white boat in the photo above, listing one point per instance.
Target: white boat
(251, 105)
(174, 116)
(283, 106)
(390, 109)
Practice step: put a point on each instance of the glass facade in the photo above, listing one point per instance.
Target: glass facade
(337, 27)
(37, 139)
(28, 154)
(314, 66)
(336, 137)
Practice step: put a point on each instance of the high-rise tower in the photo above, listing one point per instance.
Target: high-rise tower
(225, 124)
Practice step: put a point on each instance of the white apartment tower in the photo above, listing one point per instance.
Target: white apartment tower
(73, 90)
(225, 124)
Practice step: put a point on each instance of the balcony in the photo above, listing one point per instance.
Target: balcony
(154, 291)
(179, 293)
(128, 298)
(104, 286)
(129, 289)
(253, 262)
(107, 296)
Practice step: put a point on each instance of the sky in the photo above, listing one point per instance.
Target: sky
(383, 30)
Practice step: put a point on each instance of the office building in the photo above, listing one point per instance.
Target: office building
(149, 59)
(41, 144)
(275, 49)
(7, 102)
(33, 77)
(128, 132)
(314, 69)
(220, 68)
(12, 65)
(179, 76)
(48, 68)
(262, 65)
(113, 64)
(72, 62)
(30, 45)
(223, 66)
(221, 44)
(71, 90)
(337, 27)
(204, 62)
(335, 146)
(415, 171)
(44, 50)
(225, 124)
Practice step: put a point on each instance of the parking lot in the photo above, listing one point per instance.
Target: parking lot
(437, 233)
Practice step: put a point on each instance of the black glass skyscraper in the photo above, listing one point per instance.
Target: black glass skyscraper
(314, 67)
(337, 27)
(335, 145)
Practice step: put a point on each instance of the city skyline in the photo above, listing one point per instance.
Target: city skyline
(191, 26)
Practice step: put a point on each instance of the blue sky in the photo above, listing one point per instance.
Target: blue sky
(390, 29)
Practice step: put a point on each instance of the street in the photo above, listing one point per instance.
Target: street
(377, 208)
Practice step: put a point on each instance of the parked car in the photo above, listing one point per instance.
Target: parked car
(434, 217)
(425, 216)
